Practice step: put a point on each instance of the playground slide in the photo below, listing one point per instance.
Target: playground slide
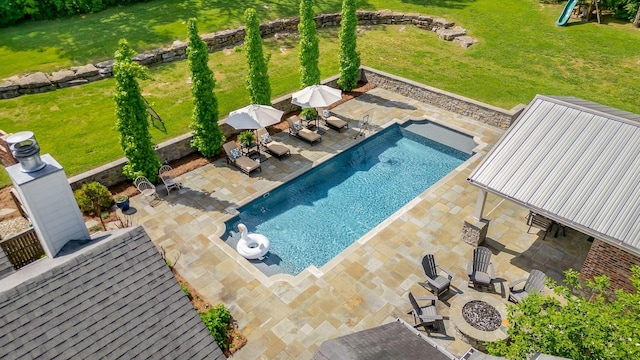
(566, 12)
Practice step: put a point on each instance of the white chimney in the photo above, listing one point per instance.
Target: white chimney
(45, 193)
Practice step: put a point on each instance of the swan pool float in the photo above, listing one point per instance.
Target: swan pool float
(252, 246)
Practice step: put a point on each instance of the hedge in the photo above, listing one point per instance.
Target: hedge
(13, 11)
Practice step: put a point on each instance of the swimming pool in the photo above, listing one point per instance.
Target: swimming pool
(312, 218)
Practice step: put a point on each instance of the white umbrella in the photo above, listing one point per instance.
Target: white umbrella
(254, 117)
(316, 96)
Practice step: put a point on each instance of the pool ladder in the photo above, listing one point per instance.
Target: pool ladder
(363, 125)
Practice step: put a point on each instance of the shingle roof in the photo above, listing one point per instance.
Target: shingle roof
(575, 162)
(111, 298)
(391, 341)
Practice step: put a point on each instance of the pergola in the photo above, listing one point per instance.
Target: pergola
(573, 161)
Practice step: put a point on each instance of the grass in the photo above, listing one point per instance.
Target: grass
(521, 53)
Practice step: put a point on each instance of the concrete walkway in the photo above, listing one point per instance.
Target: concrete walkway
(366, 285)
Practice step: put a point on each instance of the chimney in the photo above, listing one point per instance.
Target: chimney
(45, 193)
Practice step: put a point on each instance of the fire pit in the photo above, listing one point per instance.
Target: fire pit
(479, 318)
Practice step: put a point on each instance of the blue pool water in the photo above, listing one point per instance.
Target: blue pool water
(312, 218)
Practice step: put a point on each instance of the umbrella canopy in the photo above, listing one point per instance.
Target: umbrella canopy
(254, 117)
(315, 96)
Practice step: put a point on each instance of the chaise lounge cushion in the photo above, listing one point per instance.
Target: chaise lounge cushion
(336, 123)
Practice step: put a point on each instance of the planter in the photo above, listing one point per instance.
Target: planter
(122, 202)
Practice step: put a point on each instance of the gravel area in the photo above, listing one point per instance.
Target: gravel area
(13, 226)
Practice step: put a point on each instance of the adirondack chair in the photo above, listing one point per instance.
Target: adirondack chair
(437, 283)
(425, 315)
(480, 269)
(532, 284)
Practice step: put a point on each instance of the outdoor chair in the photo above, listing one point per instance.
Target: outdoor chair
(331, 121)
(532, 284)
(166, 175)
(296, 129)
(146, 188)
(480, 269)
(425, 315)
(437, 283)
(235, 158)
(539, 221)
(273, 147)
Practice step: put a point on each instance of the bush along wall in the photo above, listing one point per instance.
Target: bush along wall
(13, 11)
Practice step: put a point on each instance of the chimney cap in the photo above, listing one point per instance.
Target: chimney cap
(19, 137)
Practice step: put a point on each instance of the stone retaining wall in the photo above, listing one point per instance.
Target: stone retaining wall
(40, 82)
(445, 100)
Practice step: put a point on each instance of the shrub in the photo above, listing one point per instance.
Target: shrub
(258, 76)
(246, 137)
(349, 57)
(217, 320)
(132, 117)
(309, 52)
(207, 136)
(93, 197)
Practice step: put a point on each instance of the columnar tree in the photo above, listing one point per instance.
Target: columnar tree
(207, 136)
(258, 76)
(349, 57)
(132, 116)
(309, 48)
(599, 326)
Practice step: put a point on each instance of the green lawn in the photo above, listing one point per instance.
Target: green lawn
(521, 53)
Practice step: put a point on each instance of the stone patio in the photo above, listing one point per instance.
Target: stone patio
(366, 285)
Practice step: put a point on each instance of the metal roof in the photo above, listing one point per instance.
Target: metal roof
(575, 162)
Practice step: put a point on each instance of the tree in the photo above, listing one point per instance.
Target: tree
(576, 327)
(93, 198)
(258, 76)
(133, 119)
(309, 48)
(207, 136)
(636, 21)
(349, 57)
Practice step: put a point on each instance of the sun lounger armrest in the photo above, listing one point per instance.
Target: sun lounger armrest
(516, 283)
(449, 274)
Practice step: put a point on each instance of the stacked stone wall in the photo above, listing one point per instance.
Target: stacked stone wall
(604, 258)
(40, 82)
(445, 100)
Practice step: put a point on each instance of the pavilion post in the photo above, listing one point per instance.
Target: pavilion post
(474, 230)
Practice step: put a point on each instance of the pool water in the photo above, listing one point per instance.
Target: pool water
(312, 218)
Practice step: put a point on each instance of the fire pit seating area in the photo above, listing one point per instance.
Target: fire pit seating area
(478, 315)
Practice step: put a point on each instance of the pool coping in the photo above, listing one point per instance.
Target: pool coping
(312, 270)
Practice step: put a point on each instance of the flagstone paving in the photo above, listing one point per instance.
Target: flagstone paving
(366, 285)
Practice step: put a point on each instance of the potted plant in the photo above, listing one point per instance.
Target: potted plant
(246, 138)
(122, 202)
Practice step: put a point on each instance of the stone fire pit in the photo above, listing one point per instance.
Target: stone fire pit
(479, 318)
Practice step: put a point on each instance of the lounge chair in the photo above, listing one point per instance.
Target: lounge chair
(166, 175)
(273, 147)
(425, 315)
(235, 157)
(437, 283)
(480, 269)
(332, 121)
(146, 188)
(296, 129)
(532, 284)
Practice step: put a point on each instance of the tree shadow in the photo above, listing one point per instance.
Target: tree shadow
(447, 4)
(380, 101)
